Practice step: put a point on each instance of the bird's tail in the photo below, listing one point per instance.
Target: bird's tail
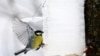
(21, 51)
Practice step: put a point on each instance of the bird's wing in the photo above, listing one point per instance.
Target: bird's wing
(35, 22)
(22, 31)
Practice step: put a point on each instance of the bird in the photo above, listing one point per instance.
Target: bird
(35, 43)
(32, 38)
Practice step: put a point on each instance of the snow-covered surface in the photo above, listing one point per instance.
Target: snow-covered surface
(9, 43)
(63, 26)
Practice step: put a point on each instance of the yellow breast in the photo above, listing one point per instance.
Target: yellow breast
(37, 42)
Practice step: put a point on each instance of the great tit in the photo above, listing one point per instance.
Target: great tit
(28, 36)
(35, 42)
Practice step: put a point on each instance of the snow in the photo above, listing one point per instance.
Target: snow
(65, 28)
(63, 22)
(9, 43)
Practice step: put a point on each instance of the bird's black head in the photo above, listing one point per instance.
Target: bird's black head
(38, 32)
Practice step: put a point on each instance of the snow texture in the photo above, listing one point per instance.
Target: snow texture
(63, 26)
(65, 33)
(9, 10)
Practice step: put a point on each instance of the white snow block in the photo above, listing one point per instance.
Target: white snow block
(64, 33)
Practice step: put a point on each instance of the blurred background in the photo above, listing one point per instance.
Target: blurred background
(92, 20)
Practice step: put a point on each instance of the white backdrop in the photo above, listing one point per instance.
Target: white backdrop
(9, 43)
(65, 33)
(63, 27)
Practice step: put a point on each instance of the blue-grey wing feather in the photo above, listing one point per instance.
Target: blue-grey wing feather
(22, 31)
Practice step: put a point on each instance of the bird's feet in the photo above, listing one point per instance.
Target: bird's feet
(42, 45)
